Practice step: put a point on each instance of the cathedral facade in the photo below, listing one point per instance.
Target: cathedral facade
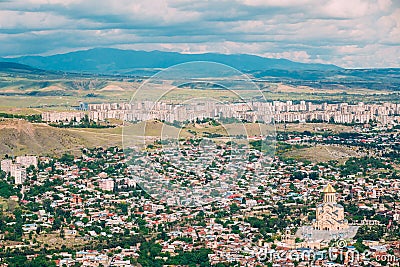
(329, 214)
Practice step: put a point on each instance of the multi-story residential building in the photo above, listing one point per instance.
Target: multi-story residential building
(268, 112)
(106, 184)
(18, 172)
(27, 161)
(65, 116)
(6, 165)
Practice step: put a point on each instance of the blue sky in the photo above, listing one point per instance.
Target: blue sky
(348, 33)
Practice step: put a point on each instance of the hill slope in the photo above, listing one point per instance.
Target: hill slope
(18, 137)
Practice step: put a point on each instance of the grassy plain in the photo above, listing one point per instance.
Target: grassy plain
(313, 127)
(323, 153)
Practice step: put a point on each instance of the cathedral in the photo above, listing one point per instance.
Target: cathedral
(330, 215)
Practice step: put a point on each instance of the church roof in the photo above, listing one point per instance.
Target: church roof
(329, 189)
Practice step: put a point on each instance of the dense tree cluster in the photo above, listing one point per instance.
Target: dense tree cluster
(364, 164)
(373, 232)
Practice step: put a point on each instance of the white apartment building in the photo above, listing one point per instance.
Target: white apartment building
(18, 169)
(65, 116)
(19, 173)
(275, 111)
(106, 184)
(27, 161)
(6, 165)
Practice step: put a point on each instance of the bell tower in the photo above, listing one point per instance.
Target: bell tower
(329, 194)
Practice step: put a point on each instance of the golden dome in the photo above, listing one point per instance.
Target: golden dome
(329, 189)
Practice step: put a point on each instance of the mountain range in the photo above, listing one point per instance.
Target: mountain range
(117, 61)
(111, 62)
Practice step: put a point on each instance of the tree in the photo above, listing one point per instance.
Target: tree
(292, 187)
(360, 246)
(56, 224)
(7, 190)
(124, 208)
(299, 175)
(47, 205)
(374, 232)
(18, 224)
(148, 253)
(314, 175)
(234, 208)
(39, 261)
(67, 159)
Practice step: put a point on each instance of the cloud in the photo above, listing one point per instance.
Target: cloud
(349, 33)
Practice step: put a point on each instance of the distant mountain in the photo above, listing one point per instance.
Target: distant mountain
(84, 64)
(112, 61)
(16, 67)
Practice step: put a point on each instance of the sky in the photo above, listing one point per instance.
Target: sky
(348, 33)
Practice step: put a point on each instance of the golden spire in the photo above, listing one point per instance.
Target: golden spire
(329, 189)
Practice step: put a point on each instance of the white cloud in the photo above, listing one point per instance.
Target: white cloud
(390, 26)
(29, 20)
(276, 3)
